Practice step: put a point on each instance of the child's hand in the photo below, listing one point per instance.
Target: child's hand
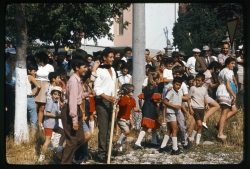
(178, 107)
(170, 88)
(207, 106)
(187, 116)
(191, 111)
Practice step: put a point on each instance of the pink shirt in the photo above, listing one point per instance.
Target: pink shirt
(222, 57)
(74, 96)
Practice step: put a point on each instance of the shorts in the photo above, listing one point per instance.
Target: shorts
(198, 114)
(85, 127)
(171, 117)
(123, 124)
(48, 132)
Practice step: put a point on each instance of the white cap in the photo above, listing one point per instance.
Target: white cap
(196, 50)
(205, 48)
(11, 51)
(57, 88)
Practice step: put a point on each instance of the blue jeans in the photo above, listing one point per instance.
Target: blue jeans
(31, 107)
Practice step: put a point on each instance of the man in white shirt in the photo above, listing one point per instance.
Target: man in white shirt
(127, 53)
(190, 66)
(104, 89)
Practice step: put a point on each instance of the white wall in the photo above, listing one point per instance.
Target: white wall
(159, 16)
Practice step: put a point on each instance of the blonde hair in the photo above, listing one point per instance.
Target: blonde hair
(152, 76)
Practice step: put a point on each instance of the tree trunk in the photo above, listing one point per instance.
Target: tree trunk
(21, 133)
(138, 70)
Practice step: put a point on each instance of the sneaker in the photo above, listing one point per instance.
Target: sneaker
(166, 149)
(175, 152)
(187, 146)
(138, 147)
(41, 158)
(204, 125)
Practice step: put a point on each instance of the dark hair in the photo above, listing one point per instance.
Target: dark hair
(214, 65)
(116, 51)
(177, 69)
(79, 53)
(200, 75)
(43, 57)
(106, 51)
(98, 57)
(87, 75)
(190, 78)
(31, 67)
(168, 60)
(78, 61)
(89, 55)
(147, 50)
(124, 66)
(31, 59)
(61, 71)
(228, 60)
(127, 49)
(178, 80)
(175, 54)
(52, 75)
(151, 69)
(152, 76)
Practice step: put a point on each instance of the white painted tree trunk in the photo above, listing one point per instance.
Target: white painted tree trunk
(21, 132)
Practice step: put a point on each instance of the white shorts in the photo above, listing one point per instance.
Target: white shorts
(171, 117)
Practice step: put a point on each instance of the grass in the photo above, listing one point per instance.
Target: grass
(28, 153)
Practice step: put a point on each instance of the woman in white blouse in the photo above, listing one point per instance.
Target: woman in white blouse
(42, 78)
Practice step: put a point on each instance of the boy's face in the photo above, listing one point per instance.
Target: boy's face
(191, 82)
(169, 65)
(32, 72)
(199, 82)
(177, 74)
(176, 86)
(82, 70)
(55, 96)
(57, 80)
(131, 94)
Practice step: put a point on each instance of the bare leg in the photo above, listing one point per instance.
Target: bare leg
(214, 106)
(191, 126)
(224, 112)
(41, 107)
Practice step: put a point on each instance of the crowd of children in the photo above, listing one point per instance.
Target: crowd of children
(63, 100)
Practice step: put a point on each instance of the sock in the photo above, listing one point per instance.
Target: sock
(198, 137)
(120, 140)
(165, 141)
(140, 137)
(174, 139)
(154, 140)
(193, 135)
(186, 141)
(92, 126)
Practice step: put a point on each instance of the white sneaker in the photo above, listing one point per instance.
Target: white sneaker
(41, 158)
(204, 125)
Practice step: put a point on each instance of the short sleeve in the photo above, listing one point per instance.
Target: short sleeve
(145, 82)
(184, 88)
(156, 96)
(141, 96)
(169, 95)
(49, 106)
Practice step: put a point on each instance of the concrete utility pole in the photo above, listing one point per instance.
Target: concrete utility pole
(138, 47)
(21, 133)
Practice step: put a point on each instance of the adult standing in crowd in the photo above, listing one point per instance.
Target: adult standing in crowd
(61, 60)
(181, 57)
(127, 53)
(10, 81)
(190, 66)
(224, 54)
(202, 62)
(42, 78)
(104, 87)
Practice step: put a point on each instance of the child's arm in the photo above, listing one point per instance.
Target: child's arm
(168, 104)
(165, 80)
(52, 115)
(137, 110)
(183, 108)
(33, 80)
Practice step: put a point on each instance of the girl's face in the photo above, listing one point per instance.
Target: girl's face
(157, 81)
(131, 94)
(56, 95)
(124, 71)
(32, 72)
(231, 65)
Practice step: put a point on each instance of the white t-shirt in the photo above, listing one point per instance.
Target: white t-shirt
(191, 65)
(145, 82)
(43, 72)
(167, 74)
(183, 88)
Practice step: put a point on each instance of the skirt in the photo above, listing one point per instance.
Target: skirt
(41, 97)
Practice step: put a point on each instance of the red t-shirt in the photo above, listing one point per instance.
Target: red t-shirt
(125, 106)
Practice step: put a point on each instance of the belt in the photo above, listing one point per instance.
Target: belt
(30, 96)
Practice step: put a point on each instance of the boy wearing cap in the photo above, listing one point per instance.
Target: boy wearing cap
(190, 66)
(51, 123)
(10, 76)
(202, 62)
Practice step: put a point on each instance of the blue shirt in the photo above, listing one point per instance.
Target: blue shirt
(52, 107)
(7, 71)
(65, 65)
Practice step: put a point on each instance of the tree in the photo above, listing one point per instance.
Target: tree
(53, 22)
(205, 24)
(21, 129)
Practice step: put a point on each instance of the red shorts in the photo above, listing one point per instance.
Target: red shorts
(48, 132)
(91, 104)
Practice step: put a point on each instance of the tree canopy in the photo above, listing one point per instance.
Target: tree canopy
(53, 22)
(205, 24)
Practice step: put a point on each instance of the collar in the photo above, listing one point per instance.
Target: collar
(105, 66)
(77, 77)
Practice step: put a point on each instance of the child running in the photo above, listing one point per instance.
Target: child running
(149, 109)
(51, 115)
(197, 94)
(126, 104)
(173, 102)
